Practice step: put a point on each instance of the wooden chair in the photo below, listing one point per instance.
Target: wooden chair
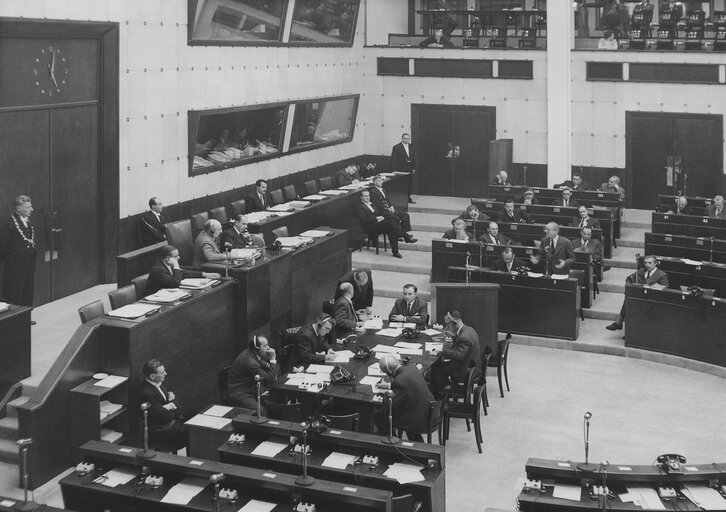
(198, 221)
(289, 354)
(311, 187)
(499, 361)
(122, 296)
(277, 197)
(365, 238)
(91, 311)
(179, 234)
(220, 213)
(469, 409)
(326, 183)
(483, 380)
(434, 420)
(239, 207)
(290, 193)
(222, 385)
(345, 422)
(456, 391)
(280, 232)
(284, 412)
(139, 283)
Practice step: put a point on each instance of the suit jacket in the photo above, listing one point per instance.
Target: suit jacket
(362, 298)
(160, 277)
(561, 202)
(464, 349)
(685, 211)
(367, 218)
(496, 181)
(563, 252)
(605, 187)
(379, 199)
(400, 161)
(593, 246)
(253, 203)
(411, 397)
(308, 345)
(517, 216)
(591, 223)
(501, 239)
(711, 212)
(465, 216)
(345, 317)
(571, 186)
(419, 313)
(238, 241)
(151, 229)
(450, 234)
(206, 249)
(159, 417)
(19, 262)
(343, 178)
(658, 277)
(501, 266)
(241, 377)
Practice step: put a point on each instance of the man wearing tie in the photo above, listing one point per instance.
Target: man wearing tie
(257, 201)
(584, 220)
(556, 250)
(716, 210)
(510, 214)
(402, 160)
(151, 229)
(374, 222)
(166, 272)
(650, 275)
(508, 263)
(566, 199)
(164, 419)
(585, 243)
(410, 308)
(493, 237)
(237, 236)
(502, 178)
(381, 201)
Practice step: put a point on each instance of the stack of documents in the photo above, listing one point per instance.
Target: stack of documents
(110, 381)
(387, 174)
(293, 241)
(110, 436)
(116, 477)
(258, 506)
(4, 306)
(390, 332)
(204, 420)
(314, 197)
(183, 492)
(402, 325)
(319, 368)
(567, 492)
(342, 356)
(167, 295)
(408, 344)
(375, 370)
(434, 347)
(133, 311)
(268, 449)
(339, 460)
(108, 408)
(333, 192)
(353, 186)
(284, 207)
(297, 205)
(197, 283)
(315, 233)
(404, 473)
(255, 217)
(370, 380)
(644, 497)
(704, 497)
(312, 382)
(218, 410)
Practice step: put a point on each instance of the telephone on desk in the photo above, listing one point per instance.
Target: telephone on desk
(671, 462)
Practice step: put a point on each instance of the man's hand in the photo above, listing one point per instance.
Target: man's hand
(534, 258)
(398, 318)
(170, 407)
(211, 275)
(561, 264)
(380, 218)
(175, 263)
(172, 396)
(391, 209)
(271, 353)
(329, 357)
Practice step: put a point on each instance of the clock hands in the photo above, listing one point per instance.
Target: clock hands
(51, 68)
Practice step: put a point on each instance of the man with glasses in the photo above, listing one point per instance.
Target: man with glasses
(166, 272)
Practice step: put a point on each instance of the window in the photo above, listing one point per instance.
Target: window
(324, 21)
(323, 122)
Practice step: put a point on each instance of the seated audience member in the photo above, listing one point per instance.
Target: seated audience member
(312, 342)
(494, 237)
(165, 423)
(502, 178)
(151, 226)
(374, 222)
(675, 5)
(511, 214)
(555, 251)
(650, 275)
(608, 41)
(613, 185)
(584, 218)
(528, 197)
(436, 41)
(716, 210)
(681, 207)
(362, 281)
(575, 183)
(566, 199)
(237, 236)
(346, 320)
(410, 401)
(257, 201)
(508, 263)
(472, 214)
(458, 231)
(166, 272)
(257, 359)
(381, 201)
(206, 246)
(347, 176)
(410, 308)
(585, 243)
(647, 9)
(456, 356)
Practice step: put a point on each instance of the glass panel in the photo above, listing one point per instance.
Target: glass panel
(323, 121)
(445, 21)
(324, 21)
(238, 20)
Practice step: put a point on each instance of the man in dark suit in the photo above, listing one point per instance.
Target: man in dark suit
(493, 236)
(375, 222)
(584, 219)
(508, 263)
(311, 342)
(380, 200)
(650, 275)
(575, 184)
(346, 321)
(681, 207)
(164, 419)
(458, 231)
(613, 185)
(237, 236)
(151, 226)
(511, 214)
(17, 250)
(402, 160)
(472, 214)
(166, 272)
(362, 281)
(257, 359)
(257, 202)
(528, 197)
(716, 210)
(347, 176)
(410, 308)
(566, 199)
(585, 243)
(556, 251)
(502, 178)
(410, 401)
(437, 40)
(456, 357)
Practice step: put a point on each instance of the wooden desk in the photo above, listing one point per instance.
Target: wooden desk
(203, 441)
(683, 246)
(14, 346)
(10, 504)
(706, 275)
(693, 201)
(453, 253)
(83, 495)
(690, 225)
(531, 306)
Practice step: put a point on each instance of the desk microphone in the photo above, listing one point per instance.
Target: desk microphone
(146, 453)
(227, 247)
(304, 479)
(259, 418)
(586, 433)
(468, 264)
(711, 258)
(390, 439)
(215, 479)
(23, 446)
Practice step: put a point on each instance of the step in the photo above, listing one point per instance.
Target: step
(13, 404)
(440, 209)
(431, 222)
(605, 307)
(636, 225)
(636, 218)
(9, 428)
(390, 285)
(413, 262)
(9, 451)
(614, 280)
(624, 257)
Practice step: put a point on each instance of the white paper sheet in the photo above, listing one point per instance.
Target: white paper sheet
(314, 197)
(432, 332)
(410, 351)
(183, 492)
(319, 368)
(407, 344)
(197, 283)
(646, 497)
(268, 449)
(342, 356)
(567, 492)
(704, 497)
(373, 323)
(116, 477)
(375, 370)
(339, 460)
(258, 506)
(369, 380)
(315, 233)
(333, 192)
(202, 420)
(386, 349)
(110, 381)
(133, 311)
(167, 295)
(404, 473)
(218, 410)
(434, 347)
(402, 325)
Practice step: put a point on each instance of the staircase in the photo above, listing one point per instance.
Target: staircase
(9, 429)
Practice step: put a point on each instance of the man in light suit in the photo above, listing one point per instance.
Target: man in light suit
(457, 356)
(151, 227)
(206, 248)
(555, 250)
(257, 201)
(508, 263)
(502, 178)
(346, 321)
(492, 236)
(716, 210)
(164, 419)
(584, 219)
(410, 308)
(650, 275)
(402, 160)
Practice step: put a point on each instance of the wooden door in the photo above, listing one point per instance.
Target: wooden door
(472, 131)
(699, 140)
(431, 132)
(652, 140)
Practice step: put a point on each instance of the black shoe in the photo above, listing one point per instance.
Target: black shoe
(411, 240)
(33, 322)
(397, 255)
(615, 326)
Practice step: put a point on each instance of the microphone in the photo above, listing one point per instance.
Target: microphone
(215, 479)
(146, 453)
(588, 415)
(304, 479)
(23, 445)
(586, 434)
(259, 418)
(468, 264)
(390, 439)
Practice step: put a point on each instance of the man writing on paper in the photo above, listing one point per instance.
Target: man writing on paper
(410, 308)
(311, 342)
(166, 272)
(456, 357)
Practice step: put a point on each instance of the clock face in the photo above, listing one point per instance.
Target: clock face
(50, 71)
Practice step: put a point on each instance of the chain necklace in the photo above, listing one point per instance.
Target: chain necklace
(30, 241)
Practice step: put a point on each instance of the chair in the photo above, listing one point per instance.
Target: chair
(139, 283)
(456, 391)
(284, 412)
(365, 238)
(500, 362)
(483, 379)
(529, 38)
(91, 311)
(311, 187)
(277, 197)
(345, 422)
(122, 296)
(434, 420)
(220, 214)
(239, 207)
(290, 193)
(405, 503)
(289, 354)
(326, 183)
(500, 41)
(280, 232)
(179, 234)
(469, 409)
(222, 385)
(198, 221)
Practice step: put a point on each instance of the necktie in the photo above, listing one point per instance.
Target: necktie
(494, 240)
(584, 244)
(552, 245)
(582, 223)
(718, 212)
(409, 308)
(647, 275)
(262, 198)
(566, 203)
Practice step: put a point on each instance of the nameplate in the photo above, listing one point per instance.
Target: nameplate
(449, 245)
(666, 217)
(707, 202)
(489, 205)
(490, 248)
(556, 210)
(196, 462)
(335, 432)
(125, 450)
(528, 251)
(269, 475)
(407, 444)
(523, 207)
(625, 468)
(564, 464)
(513, 227)
(7, 503)
(507, 189)
(699, 242)
(350, 489)
(600, 196)
(668, 239)
(273, 422)
(705, 221)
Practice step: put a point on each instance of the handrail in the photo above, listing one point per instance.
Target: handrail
(9, 396)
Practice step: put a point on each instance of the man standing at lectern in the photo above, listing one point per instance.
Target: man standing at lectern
(402, 160)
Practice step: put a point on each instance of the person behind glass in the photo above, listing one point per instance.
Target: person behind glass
(511, 214)
(380, 199)
(607, 41)
(456, 356)
(402, 160)
(238, 237)
(151, 226)
(494, 237)
(613, 185)
(528, 198)
(410, 308)
(676, 6)
(646, 8)
(458, 231)
(375, 222)
(508, 263)
(410, 400)
(566, 199)
(257, 359)
(347, 176)
(649, 275)
(681, 207)
(346, 320)
(716, 210)
(437, 40)
(165, 422)
(502, 178)
(584, 220)
(257, 201)
(312, 344)
(17, 251)
(206, 246)
(555, 250)
(615, 17)
(166, 272)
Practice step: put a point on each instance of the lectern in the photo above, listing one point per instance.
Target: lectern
(478, 304)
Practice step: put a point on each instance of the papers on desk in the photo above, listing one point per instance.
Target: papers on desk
(133, 311)
(373, 323)
(387, 174)
(258, 506)
(352, 186)
(218, 410)
(644, 497)
(314, 197)
(116, 477)
(298, 204)
(407, 344)
(342, 356)
(410, 351)
(319, 368)
(688, 261)
(4, 306)
(391, 333)
(312, 382)
(704, 497)
(203, 420)
(432, 332)
(315, 233)
(111, 381)
(197, 283)
(107, 408)
(374, 370)
(110, 436)
(339, 460)
(293, 241)
(400, 173)
(385, 349)
(243, 254)
(433, 347)
(167, 295)
(255, 217)
(333, 192)
(268, 449)
(559, 277)
(404, 473)
(567, 492)
(284, 207)
(183, 492)
(534, 274)
(402, 325)
(370, 380)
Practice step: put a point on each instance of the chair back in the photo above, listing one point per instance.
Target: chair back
(403, 503)
(277, 197)
(179, 234)
(326, 183)
(472, 375)
(502, 352)
(290, 193)
(289, 355)
(220, 213)
(239, 207)
(284, 412)
(222, 385)
(345, 422)
(434, 415)
(198, 221)
(122, 296)
(91, 311)
(484, 364)
(139, 283)
(311, 187)
(280, 232)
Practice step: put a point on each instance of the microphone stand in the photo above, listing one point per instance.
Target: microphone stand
(304, 479)
(586, 433)
(391, 439)
(605, 495)
(525, 175)
(711, 252)
(226, 262)
(468, 262)
(146, 453)
(25, 506)
(215, 479)
(259, 418)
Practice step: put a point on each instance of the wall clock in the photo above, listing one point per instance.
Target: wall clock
(50, 71)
